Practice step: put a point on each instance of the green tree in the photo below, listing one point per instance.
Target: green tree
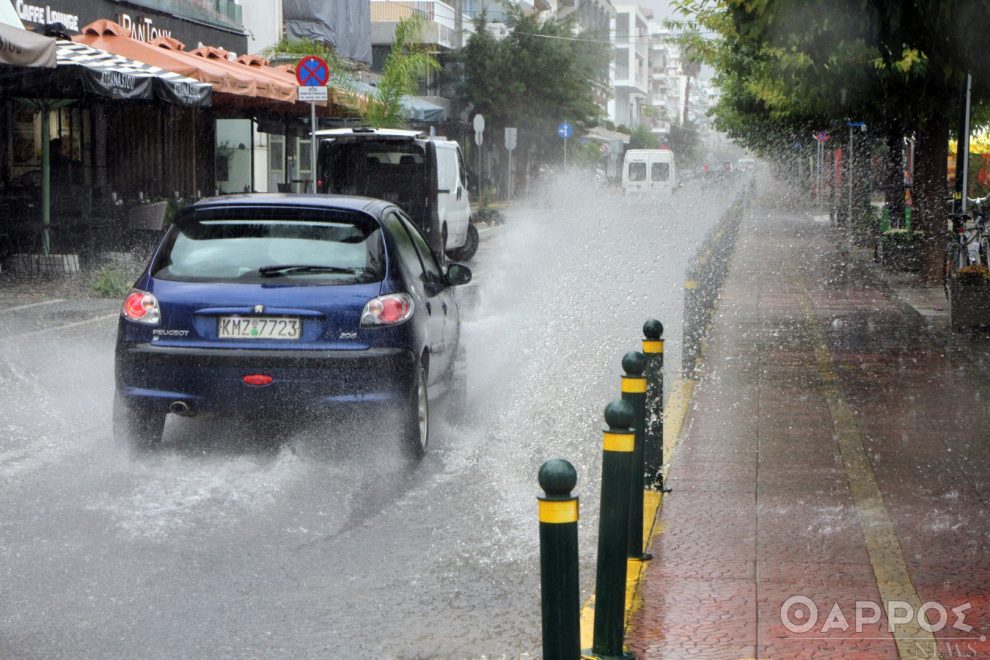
(405, 65)
(642, 137)
(540, 74)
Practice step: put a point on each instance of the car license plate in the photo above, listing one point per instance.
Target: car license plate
(258, 327)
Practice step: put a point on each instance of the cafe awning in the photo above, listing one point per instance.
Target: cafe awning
(18, 47)
(167, 54)
(82, 71)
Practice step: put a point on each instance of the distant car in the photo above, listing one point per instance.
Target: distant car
(269, 303)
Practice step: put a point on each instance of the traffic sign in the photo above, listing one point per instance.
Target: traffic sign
(312, 71)
(821, 136)
(479, 129)
(565, 130)
(510, 139)
(312, 94)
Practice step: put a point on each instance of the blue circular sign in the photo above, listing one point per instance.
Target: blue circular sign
(565, 130)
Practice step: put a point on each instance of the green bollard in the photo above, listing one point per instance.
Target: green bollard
(634, 391)
(885, 219)
(653, 439)
(907, 218)
(559, 561)
(613, 530)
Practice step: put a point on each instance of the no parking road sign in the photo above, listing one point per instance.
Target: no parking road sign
(312, 71)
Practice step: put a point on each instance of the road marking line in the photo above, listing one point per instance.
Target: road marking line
(56, 328)
(884, 550)
(28, 306)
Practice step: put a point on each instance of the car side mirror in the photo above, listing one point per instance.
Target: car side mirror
(458, 274)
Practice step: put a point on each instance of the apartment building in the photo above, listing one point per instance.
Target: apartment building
(631, 73)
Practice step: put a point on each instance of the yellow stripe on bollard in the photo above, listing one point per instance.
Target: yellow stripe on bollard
(556, 512)
(633, 384)
(622, 442)
(653, 346)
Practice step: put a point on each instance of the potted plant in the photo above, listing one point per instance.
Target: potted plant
(899, 249)
(969, 298)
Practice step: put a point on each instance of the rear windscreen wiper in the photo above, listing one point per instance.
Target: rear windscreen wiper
(272, 271)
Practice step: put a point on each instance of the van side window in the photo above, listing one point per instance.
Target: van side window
(461, 171)
(637, 171)
(661, 172)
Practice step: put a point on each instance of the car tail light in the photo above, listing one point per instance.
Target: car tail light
(142, 307)
(258, 380)
(387, 310)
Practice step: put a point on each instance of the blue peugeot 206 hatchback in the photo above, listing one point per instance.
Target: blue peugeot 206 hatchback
(273, 303)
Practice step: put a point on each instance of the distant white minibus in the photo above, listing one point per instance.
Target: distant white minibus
(649, 170)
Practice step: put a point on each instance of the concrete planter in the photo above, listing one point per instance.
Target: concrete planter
(39, 264)
(969, 305)
(897, 251)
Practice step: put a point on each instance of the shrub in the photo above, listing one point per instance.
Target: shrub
(112, 281)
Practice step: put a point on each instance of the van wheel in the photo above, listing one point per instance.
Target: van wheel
(470, 247)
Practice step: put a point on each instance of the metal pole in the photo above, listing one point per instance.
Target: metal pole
(558, 513)
(849, 219)
(312, 148)
(964, 143)
(46, 182)
(618, 444)
(565, 152)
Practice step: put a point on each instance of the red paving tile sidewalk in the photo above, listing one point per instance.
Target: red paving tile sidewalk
(836, 451)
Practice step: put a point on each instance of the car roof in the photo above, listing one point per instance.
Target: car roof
(361, 130)
(316, 201)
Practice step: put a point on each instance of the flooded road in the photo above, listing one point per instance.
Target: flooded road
(307, 539)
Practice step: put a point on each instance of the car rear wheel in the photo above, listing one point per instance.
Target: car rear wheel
(136, 427)
(467, 251)
(417, 424)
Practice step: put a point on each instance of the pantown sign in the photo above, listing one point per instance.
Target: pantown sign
(142, 28)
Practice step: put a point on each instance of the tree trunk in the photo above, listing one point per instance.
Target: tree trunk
(931, 193)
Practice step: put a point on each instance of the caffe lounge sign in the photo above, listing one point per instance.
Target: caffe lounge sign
(146, 24)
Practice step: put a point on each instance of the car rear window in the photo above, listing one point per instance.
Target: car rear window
(273, 246)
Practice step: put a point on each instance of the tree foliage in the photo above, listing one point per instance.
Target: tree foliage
(539, 75)
(788, 68)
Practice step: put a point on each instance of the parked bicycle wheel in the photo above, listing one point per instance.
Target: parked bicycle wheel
(984, 251)
(955, 258)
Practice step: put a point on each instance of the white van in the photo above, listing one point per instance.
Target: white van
(422, 174)
(649, 170)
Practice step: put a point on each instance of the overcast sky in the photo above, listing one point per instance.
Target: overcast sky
(661, 9)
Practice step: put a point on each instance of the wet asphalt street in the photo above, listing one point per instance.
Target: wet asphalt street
(313, 538)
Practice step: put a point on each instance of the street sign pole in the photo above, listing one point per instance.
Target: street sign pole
(510, 145)
(479, 137)
(312, 74)
(312, 150)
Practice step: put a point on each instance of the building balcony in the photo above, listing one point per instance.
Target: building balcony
(439, 29)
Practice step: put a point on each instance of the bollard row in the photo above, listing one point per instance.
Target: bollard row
(704, 281)
(632, 459)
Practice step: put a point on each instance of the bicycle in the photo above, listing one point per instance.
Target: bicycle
(968, 245)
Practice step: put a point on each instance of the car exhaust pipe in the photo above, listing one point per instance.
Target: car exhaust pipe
(180, 408)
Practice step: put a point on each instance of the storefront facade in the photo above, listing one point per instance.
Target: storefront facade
(143, 19)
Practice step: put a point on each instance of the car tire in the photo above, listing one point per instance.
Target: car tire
(416, 428)
(135, 427)
(467, 251)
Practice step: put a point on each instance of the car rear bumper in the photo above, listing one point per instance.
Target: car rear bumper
(211, 380)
